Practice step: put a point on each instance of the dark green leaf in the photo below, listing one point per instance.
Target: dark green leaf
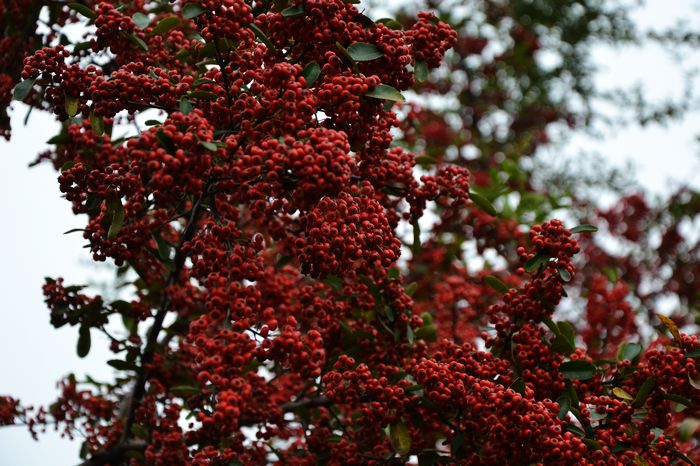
(165, 141)
(116, 209)
(97, 124)
(392, 273)
(185, 106)
(361, 51)
(585, 228)
(311, 73)
(334, 282)
(120, 365)
(59, 139)
(682, 456)
(22, 89)
(687, 428)
(185, 389)
(203, 95)
(80, 46)
(496, 284)
(391, 23)
(629, 352)
(693, 354)
(192, 10)
(679, 399)
(413, 388)
(518, 385)
(165, 24)
(592, 444)
(578, 370)
(385, 92)
(536, 261)
(83, 341)
(262, 37)
(644, 392)
(141, 20)
(294, 11)
(564, 403)
(138, 41)
(483, 203)
(421, 71)
(410, 335)
(284, 260)
(73, 230)
(152, 123)
(83, 10)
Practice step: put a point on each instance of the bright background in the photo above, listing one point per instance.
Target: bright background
(35, 355)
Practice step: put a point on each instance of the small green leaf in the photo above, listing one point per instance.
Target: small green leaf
(83, 10)
(152, 123)
(83, 341)
(120, 365)
(22, 89)
(496, 284)
(413, 388)
(518, 385)
(208, 145)
(483, 203)
(141, 20)
(192, 10)
(282, 261)
(294, 11)
(687, 428)
(185, 389)
(564, 274)
(71, 105)
(165, 24)
(392, 273)
(334, 282)
(679, 399)
(185, 106)
(262, 37)
(535, 262)
(694, 383)
(385, 92)
(629, 352)
(80, 46)
(564, 403)
(578, 370)
(203, 95)
(410, 335)
(644, 392)
(585, 228)
(97, 124)
(361, 51)
(592, 444)
(400, 438)
(311, 73)
(138, 41)
(693, 354)
(421, 70)
(411, 288)
(391, 23)
(59, 139)
(116, 208)
(682, 456)
(620, 393)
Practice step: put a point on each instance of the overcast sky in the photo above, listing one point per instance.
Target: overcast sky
(35, 356)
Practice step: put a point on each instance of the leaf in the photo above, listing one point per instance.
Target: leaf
(73, 230)
(564, 274)
(152, 123)
(262, 37)
(83, 10)
(311, 73)
(564, 403)
(592, 444)
(97, 124)
(185, 389)
(59, 139)
(565, 341)
(518, 385)
(585, 228)
(644, 392)
(165, 140)
(694, 383)
(682, 456)
(334, 282)
(164, 25)
(116, 208)
(400, 438)
(410, 335)
(138, 41)
(71, 105)
(83, 341)
(536, 261)
(392, 273)
(578, 370)
(483, 203)
(671, 326)
(284, 260)
(411, 288)
(120, 365)
(385, 92)
(294, 11)
(192, 10)
(141, 20)
(687, 428)
(362, 51)
(693, 354)
(203, 95)
(496, 284)
(679, 399)
(620, 393)
(210, 146)
(629, 352)
(413, 388)
(80, 46)
(421, 71)
(22, 89)
(391, 23)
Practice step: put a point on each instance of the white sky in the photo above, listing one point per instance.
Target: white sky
(35, 355)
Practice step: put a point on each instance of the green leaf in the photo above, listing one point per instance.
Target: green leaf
(693, 354)
(565, 341)
(185, 106)
(22, 89)
(165, 140)
(284, 260)
(210, 146)
(165, 24)
(361, 51)
(97, 124)
(411, 288)
(192, 10)
(679, 399)
(496, 284)
(421, 71)
(391, 23)
(392, 273)
(334, 282)
(59, 139)
(116, 209)
(311, 73)
(80, 46)
(203, 95)
(120, 365)
(536, 261)
(578, 370)
(564, 274)
(694, 383)
(518, 385)
(413, 388)
(644, 392)
(71, 105)
(400, 438)
(262, 37)
(138, 41)
(345, 55)
(83, 341)
(483, 203)
(585, 228)
(185, 389)
(687, 428)
(620, 393)
(294, 11)
(592, 444)
(141, 20)
(410, 335)
(152, 123)
(385, 92)
(83, 10)
(629, 352)
(564, 403)
(682, 456)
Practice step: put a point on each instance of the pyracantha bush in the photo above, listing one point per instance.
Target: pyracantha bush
(278, 313)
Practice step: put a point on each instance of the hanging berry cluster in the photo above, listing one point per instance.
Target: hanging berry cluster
(257, 215)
